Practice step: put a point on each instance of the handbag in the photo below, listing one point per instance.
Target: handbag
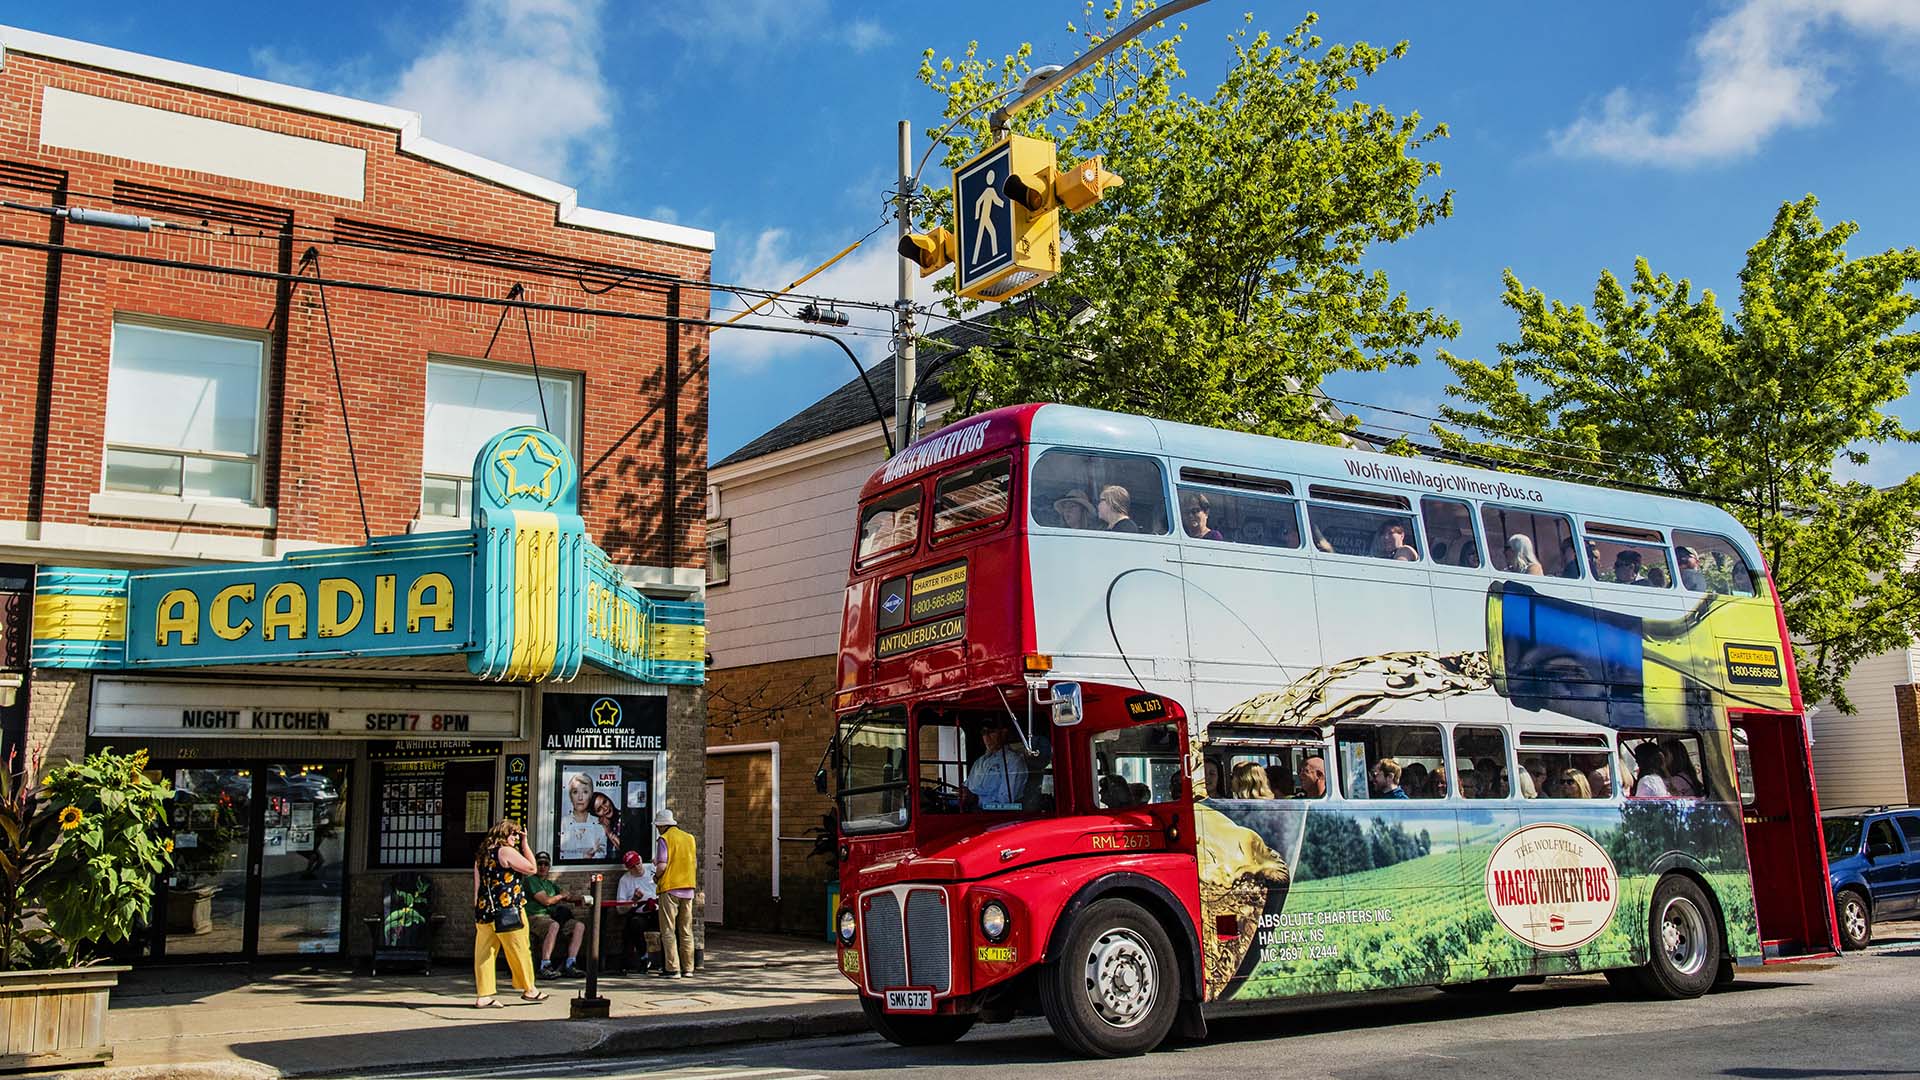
(508, 919)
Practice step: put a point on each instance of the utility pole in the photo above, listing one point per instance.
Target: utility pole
(905, 356)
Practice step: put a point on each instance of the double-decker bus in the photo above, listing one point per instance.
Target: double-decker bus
(1139, 721)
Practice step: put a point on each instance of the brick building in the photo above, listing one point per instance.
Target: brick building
(780, 536)
(171, 398)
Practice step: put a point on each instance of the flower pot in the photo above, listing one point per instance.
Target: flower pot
(55, 1017)
(190, 910)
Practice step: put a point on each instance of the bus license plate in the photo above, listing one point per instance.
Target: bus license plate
(910, 1001)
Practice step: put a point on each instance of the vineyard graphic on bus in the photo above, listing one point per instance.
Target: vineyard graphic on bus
(1308, 896)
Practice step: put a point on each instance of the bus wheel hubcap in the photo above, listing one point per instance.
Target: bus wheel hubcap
(1683, 934)
(1122, 981)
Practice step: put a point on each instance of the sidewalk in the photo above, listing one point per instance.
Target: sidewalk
(241, 1023)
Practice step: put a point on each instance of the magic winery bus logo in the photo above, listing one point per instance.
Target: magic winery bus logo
(1552, 887)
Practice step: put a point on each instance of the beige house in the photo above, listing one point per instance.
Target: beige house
(1872, 757)
(780, 535)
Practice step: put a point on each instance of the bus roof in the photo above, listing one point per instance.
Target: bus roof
(1095, 429)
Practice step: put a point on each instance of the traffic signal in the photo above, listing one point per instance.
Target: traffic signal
(1007, 203)
(929, 251)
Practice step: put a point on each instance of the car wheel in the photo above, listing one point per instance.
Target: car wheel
(1856, 919)
(903, 1030)
(1683, 941)
(1114, 990)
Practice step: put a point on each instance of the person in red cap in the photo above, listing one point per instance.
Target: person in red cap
(637, 887)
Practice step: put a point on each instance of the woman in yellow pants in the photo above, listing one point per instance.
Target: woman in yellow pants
(497, 870)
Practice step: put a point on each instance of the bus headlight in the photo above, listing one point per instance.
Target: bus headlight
(846, 926)
(994, 920)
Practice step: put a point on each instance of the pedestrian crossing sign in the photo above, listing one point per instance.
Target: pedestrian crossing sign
(1002, 247)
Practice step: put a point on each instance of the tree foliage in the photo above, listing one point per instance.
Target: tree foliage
(1658, 386)
(1224, 281)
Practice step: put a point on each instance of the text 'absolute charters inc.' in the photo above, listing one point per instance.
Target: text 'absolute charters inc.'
(1442, 482)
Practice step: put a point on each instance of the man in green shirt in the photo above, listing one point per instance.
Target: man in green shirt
(548, 913)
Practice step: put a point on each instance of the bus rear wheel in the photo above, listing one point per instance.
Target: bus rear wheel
(1114, 990)
(1683, 942)
(914, 1030)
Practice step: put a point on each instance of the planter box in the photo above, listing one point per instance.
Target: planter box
(56, 1017)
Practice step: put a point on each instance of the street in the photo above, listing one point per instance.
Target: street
(1835, 1018)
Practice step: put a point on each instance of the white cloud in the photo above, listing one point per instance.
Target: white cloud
(518, 81)
(1761, 70)
(870, 273)
(727, 22)
(864, 35)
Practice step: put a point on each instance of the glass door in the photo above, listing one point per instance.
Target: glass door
(302, 858)
(206, 900)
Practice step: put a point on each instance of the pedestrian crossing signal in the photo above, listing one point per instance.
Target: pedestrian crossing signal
(1080, 186)
(929, 251)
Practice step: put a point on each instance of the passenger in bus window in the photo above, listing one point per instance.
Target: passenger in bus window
(1570, 783)
(1216, 788)
(1280, 780)
(1469, 554)
(1076, 510)
(1569, 559)
(1115, 503)
(1413, 781)
(1689, 564)
(1652, 782)
(1520, 556)
(1437, 783)
(1313, 778)
(1626, 568)
(1115, 792)
(1320, 540)
(1682, 780)
(1490, 778)
(1141, 794)
(1470, 784)
(998, 777)
(1600, 781)
(1385, 778)
(1250, 781)
(1195, 508)
(1392, 543)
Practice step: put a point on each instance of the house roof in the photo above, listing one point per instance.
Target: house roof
(849, 406)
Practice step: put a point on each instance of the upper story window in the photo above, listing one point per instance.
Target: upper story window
(1533, 542)
(1383, 533)
(719, 551)
(183, 412)
(972, 497)
(467, 404)
(1626, 555)
(1120, 493)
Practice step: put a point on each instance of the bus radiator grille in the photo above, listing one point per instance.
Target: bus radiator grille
(886, 960)
(929, 952)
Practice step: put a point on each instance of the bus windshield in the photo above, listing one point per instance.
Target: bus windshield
(977, 760)
(872, 792)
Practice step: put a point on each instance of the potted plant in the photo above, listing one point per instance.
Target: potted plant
(79, 855)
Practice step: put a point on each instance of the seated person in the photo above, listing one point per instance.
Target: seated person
(548, 914)
(1076, 510)
(1250, 781)
(1313, 778)
(1253, 531)
(1469, 784)
(1626, 568)
(641, 935)
(1114, 508)
(997, 778)
(1195, 508)
(1413, 779)
(1115, 792)
(1384, 778)
(1140, 793)
(1469, 554)
(1392, 543)
(1569, 559)
(1280, 781)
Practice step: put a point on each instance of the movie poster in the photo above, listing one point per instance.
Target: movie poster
(604, 810)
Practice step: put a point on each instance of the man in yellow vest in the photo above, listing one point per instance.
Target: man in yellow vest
(674, 861)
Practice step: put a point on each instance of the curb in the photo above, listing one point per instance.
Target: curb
(720, 1029)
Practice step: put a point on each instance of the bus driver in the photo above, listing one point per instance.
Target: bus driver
(998, 777)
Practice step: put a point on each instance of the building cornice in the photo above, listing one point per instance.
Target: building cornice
(404, 122)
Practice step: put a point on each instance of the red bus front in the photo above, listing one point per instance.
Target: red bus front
(971, 821)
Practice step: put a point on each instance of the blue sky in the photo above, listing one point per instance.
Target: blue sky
(1582, 135)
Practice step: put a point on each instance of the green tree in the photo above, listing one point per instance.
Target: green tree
(1224, 281)
(1657, 386)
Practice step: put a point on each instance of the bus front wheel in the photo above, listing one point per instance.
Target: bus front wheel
(902, 1030)
(1683, 942)
(1114, 989)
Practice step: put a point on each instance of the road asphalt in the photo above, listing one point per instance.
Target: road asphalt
(1848, 1017)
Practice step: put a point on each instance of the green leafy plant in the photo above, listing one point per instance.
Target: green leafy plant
(28, 837)
(96, 882)
(406, 910)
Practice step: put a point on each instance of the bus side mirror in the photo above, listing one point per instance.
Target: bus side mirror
(820, 779)
(1068, 709)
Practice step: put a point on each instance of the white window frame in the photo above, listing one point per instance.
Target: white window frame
(719, 533)
(128, 503)
(576, 415)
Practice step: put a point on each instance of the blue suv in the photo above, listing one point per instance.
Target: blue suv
(1873, 864)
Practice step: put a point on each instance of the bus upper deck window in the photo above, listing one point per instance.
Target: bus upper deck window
(1530, 542)
(1626, 555)
(1117, 493)
(1712, 564)
(1450, 536)
(1380, 534)
(972, 497)
(890, 524)
(1260, 520)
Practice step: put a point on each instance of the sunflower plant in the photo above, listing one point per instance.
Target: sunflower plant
(109, 848)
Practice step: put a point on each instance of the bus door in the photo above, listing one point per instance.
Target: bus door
(1785, 850)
